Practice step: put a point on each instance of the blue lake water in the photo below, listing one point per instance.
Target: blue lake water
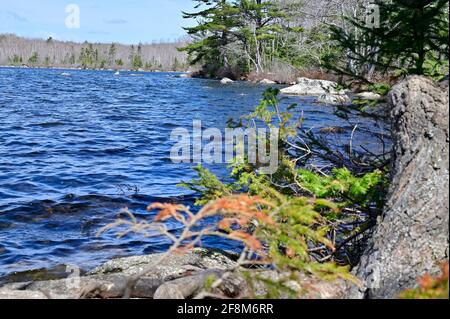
(74, 150)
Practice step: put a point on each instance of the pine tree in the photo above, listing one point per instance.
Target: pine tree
(34, 58)
(257, 29)
(412, 38)
(244, 34)
(213, 34)
(112, 54)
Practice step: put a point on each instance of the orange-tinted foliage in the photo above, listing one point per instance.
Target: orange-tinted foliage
(239, 210)
(430, 287)
(167, 211)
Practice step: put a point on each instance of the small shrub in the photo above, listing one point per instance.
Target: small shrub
(380, 88)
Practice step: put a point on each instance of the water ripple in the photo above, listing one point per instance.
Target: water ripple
(76, 150)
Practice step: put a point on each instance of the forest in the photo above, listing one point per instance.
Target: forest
(360, 40)
(18, 51)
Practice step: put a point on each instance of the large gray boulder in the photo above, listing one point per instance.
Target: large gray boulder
(111, 279)
(412, 237)
(311, 87)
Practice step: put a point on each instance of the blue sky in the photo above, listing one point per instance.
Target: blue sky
(124, 21)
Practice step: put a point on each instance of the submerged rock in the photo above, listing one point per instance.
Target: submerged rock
(307, 86)
(226, 81)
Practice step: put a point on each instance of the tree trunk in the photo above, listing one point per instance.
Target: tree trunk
(412, 237)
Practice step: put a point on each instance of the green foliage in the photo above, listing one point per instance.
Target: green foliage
(112, 54)
(89, 56)
(345, 187)
(247, 35)
(208, 186)
(292, 230)
(136, 57)
(34, 58)
(72, 59)
(103, 63)
(435, 67)
(136, 62)
(380, 88)
(307, 205)
(412, 39)
(212, 34)
(16, 59)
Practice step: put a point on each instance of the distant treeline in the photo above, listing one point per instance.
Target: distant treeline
(18, 51)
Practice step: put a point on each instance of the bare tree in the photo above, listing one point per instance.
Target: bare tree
(162, 56)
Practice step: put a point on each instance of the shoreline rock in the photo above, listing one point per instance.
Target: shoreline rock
(179, 276)
(333, 99)
(369, 96)
(110, 279)
(311, 87)
(267, 82)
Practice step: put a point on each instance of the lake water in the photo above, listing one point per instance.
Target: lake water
(75, 150)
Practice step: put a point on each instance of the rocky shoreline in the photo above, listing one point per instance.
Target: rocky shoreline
(325, 91)
(180, 276)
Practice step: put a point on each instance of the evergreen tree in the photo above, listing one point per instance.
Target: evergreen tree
(244, 34)
(112, 54)
(412, 39)
(34, 59)
(135, 58)
(257, 30)
(72, 58)
(213, 34)
(89, 56)
(119, 62)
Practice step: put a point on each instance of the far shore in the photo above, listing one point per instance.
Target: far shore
(86, 69)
